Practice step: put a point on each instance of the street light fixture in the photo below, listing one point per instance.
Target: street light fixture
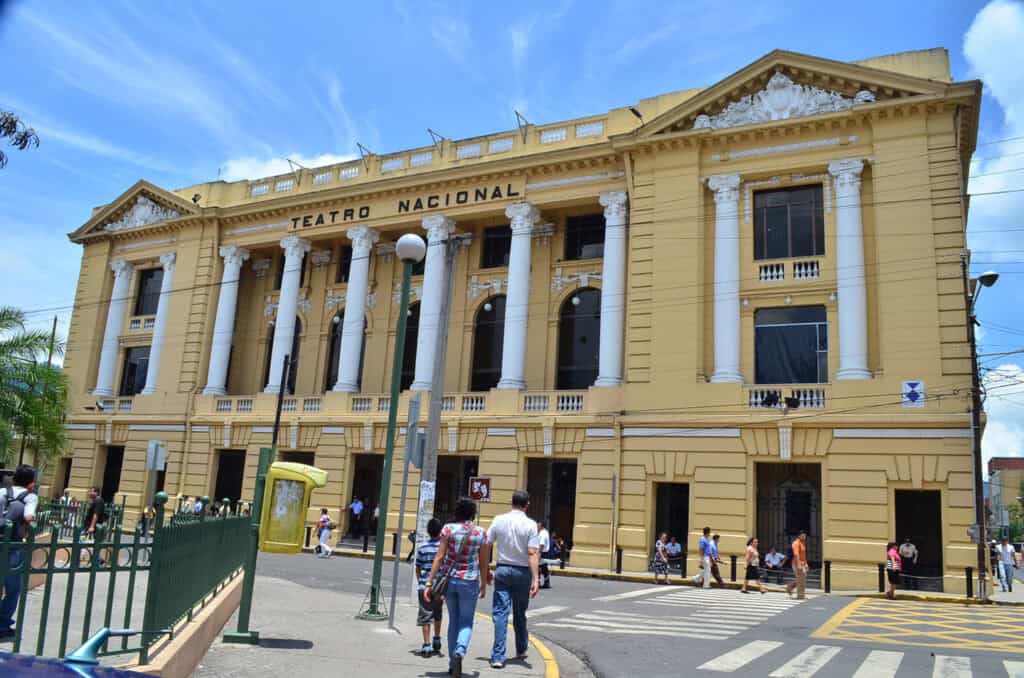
(410, 249)
(971, 294)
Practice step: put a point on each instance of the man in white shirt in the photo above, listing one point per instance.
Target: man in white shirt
(1007, 564)
(773, 565)
(908, 557)
(545, 545)
(516, 577)
(17, 505)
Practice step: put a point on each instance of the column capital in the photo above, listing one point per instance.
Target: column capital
(363, 239)
(293, 245)
(233, 255)
(614, 204)
(726, 187)
(523, 216)
(167, 261)
(846, 171)
(121, 267)
(438, 227)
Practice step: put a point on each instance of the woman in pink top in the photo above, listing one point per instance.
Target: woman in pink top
(893, 567)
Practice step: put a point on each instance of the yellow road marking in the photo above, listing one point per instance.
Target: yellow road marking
(550, 663)
(838, 618)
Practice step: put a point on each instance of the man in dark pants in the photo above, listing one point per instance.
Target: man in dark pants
(18, 507)
(908, 554)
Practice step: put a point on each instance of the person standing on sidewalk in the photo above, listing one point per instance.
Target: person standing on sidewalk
(463, 555)
(18, 508)
(1007, 564)
(893, 567)
(908, 554)
(703, 576)
(752, 560)
(516, 578)
(430, 611)
(324, 533)
(545, 552)
(355, 509)
(660, 562)
(799, 567)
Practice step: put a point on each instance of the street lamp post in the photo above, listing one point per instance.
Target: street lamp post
(986, 279)
(410, 250)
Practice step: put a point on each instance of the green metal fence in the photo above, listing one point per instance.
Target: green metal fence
(72, 585)
(65, 517)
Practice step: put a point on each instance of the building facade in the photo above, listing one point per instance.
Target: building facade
(737, 306)
(1005, 489)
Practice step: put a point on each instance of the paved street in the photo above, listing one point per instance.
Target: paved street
(620, 629)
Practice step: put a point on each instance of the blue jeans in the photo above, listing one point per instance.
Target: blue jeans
(1007, 580)
(511, 590)
(460, 598)
(12, 589)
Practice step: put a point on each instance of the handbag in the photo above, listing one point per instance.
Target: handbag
(440, 586)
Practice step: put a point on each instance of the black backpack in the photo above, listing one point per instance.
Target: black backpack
(13, 511)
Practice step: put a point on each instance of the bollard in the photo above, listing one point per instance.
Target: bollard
(881, 577)
(732, 567)
(618, 560)
(366, 542)
(682, 565)
(394, 545)
(828, 576)
(309, 531)
(561, 562)
(969, 573)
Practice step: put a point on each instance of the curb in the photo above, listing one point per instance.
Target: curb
(550, 663)
(926, 598)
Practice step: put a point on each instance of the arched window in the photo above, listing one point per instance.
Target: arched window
(579, 333)
(337, 328)
(270, 354)
(412, 330)
(293, 369)
(488, 339)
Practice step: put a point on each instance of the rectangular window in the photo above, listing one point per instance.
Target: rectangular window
(496, 246)
(789, 222)
(584, 237)
(791, 345)
(133, 374)
(344, 263)
(148, 296)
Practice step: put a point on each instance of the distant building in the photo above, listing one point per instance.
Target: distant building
(1005, 487)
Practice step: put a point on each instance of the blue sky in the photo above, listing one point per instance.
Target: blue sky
(179, 93)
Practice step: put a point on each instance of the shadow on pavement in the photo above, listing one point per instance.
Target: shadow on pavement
(286, 644)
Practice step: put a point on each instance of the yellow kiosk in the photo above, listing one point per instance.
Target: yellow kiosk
(285, 504)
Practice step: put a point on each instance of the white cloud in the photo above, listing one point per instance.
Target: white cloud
(256, 168)
(1004, 405)
(453, 36)
(630, 48)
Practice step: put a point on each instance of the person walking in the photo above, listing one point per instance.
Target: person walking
(893, 566)
(908, 553)
(516, 578)
(544, 547)
(800, 567)
(660, 561)
(431, 611)
(324, 526)
(355, 510)
(1007, 564)
(18, 506)
(752, 561)
(463, 555)
(703, 576)
(96, 514)
(715, 559)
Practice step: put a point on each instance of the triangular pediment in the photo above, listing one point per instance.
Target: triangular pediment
(141, 206)
(784, 85)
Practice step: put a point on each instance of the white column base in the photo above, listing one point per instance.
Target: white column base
(726, 378)
(103, 393)
(272, 388)
(512, 384)
(148, 391)
(343, 387)
(607, 381)
(420, 386)
(212, 391)
(853, 373)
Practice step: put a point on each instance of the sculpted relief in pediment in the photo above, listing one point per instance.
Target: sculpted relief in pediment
(143, 213)
(779, 100)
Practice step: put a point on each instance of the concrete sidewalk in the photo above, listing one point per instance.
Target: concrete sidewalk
(313, 632)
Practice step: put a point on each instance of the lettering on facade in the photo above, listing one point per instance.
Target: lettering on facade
(331, 217)
(467, 197)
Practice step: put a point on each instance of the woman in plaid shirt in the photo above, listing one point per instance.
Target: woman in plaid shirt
(465, 553)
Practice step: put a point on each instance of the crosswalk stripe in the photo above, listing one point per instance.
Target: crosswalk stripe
(550, 609)
(749, 602)
(716, 608)
(635, 632)
(740, 657)
(880, 664)
(674, 623)
(1014, 669)
(681, 628)
(629, 594)
(807, 663)
(951, 667)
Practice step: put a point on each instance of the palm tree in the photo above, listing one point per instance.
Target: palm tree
(17, 133)
(33, 394)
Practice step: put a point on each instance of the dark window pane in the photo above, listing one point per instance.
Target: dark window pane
(344, 263)
(584, 237)
(133, 373)
(789, 222)
(412, 328)
(280, 272)
(293, 356)
(789, 347)
(579, 333)
(776, 237)
(337, 329)
(488, 340)
(148, 296)
(496, 246)
(266, 360)
(789, 315)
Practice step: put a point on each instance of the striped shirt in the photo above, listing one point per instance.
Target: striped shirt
(425, 560)
(462, 557)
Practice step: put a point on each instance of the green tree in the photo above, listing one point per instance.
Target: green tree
(17, 133)
(33, 395)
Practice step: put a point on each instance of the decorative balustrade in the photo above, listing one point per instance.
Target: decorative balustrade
(362, 404)
(124, 404)
(775, 398)
(289, 405)
(244, 405)
(560, 402)
(448, 404)
(311, 405)
(535, 403)
(771, 272)
(384, 404)
(806, 270)
(474, 403)
(569, 402)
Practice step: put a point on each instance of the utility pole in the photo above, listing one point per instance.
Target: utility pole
(53, 340)
(979, 498)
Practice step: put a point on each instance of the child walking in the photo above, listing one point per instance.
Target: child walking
(430, 610)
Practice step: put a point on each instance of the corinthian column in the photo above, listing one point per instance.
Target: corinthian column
(517, 301)
(363, 239)
(851, 290)
(613, 289)
(727, 278)
(295, 249)
(160, 323)
(115, 319)
(438, 228)
(224, 325)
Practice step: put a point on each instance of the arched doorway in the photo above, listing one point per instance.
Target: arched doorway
(488, 340)
(579, 334)
(412, 330)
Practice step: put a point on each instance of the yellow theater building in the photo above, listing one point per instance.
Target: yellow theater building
(737, 306)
